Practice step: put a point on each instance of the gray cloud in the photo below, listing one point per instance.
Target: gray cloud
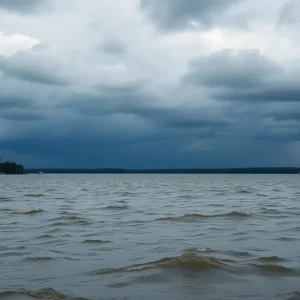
(112, 46)
(283, 116)
(265, 94)
(190, 124)
(230, 69)
(26, 66)
(244, 76)
(178, 14)
(27, 6)
(21, 115)
(290, 13)
(132, 100)
(283, 112)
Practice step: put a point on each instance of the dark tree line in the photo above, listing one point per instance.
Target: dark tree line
(274, 170)
(8, 167)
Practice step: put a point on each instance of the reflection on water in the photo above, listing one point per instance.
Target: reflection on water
(150, 237)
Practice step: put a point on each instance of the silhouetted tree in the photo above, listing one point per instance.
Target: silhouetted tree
(11, 168)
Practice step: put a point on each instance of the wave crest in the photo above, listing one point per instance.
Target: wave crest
(272, 268)
(271, 258)
(34, 195)
(116, 206)
(68, 223)
(189, 260)
(96, 242)
(41, 258)
(234, 213)
(47, 293)
(31, 211)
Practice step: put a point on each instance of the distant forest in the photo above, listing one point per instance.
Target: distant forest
(11, 168)
(286, 170)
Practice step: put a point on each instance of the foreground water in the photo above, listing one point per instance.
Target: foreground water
(150, 237)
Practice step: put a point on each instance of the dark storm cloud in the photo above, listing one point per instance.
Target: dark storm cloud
(10, 101)
(26, 66)
(22, 115)
(26, 6)
(177, 14)
(230, 69)
(264, 94)
(190, 124)
(244, 76)
(294, 116)
(284, 112)
(132, 101)
(284, 135)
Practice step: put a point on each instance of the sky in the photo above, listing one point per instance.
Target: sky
(150, 83)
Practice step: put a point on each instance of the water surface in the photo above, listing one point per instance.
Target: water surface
(150, 237)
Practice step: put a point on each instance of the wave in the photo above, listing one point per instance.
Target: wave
(123, 201)
(202, 216)
(96, 242)
(34, 195)
(116, 207)
(271, 259)
(239, 253)
(6, 210)
(41, 258)
(272, 268)
(294, 296)
(194, 260)
(270, 210)
(286, 239)
(127, 194)
(243, 191)
(47, 293)
(204, 250)
(5, 199)
(30, 211)
(45, 236)
(67, 223)
(226, 252)
(190, 260)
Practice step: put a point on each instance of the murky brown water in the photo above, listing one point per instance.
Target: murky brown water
(150, 237)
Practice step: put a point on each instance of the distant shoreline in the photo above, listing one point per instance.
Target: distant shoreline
(254, 170)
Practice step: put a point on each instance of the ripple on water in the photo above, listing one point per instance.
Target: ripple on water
(293, 296)
(95, 241)
(286, 239)
(275, 268)
(271, 259)
(70, 223)
(30, 211)
(47, 293)
(39, 258)
(34, 195)
(116, 207)
(45, 236)
(5, 199)
(202, 216)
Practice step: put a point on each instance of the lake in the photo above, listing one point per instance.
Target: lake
(150, 237)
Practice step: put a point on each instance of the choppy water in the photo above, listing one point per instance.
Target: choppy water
(150, 237)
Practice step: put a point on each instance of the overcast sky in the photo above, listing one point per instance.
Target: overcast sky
(150, 83)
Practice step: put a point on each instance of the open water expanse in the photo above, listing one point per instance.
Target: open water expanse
(150, 237)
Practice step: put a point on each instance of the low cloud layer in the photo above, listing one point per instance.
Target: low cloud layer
(178, 14)
(21, 6)
(149, 83)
